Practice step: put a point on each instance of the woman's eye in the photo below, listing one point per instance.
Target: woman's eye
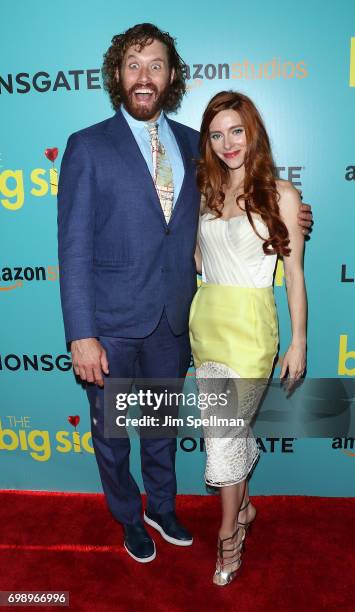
(214, 136)
(238, 131)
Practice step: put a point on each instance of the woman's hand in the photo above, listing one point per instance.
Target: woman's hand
(294, 362)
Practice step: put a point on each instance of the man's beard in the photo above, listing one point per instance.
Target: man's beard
(143, 113)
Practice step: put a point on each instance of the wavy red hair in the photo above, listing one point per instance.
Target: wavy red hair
(260, 194)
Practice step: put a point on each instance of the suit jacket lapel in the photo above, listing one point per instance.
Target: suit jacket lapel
(187, 155)
(130, 152)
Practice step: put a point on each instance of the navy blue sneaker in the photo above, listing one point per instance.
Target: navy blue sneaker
(138, 543)
(169, 527)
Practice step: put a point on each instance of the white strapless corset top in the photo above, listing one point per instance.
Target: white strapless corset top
(232, 253)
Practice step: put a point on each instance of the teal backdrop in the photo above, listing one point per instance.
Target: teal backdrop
(297, 62)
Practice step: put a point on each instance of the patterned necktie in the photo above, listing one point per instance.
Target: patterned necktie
(162, 172)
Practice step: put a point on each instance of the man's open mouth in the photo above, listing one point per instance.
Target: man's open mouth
(143, 94)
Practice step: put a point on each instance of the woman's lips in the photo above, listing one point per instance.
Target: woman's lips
(231, 155)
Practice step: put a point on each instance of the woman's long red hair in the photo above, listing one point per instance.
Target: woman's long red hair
(260, 194)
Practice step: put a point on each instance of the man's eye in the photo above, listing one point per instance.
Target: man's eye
(133, 66)
(156, 66)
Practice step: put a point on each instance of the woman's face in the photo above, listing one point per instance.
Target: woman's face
(228, 139)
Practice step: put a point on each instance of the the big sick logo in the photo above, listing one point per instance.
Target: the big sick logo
(18, 434)
(12, 186)
(346, 357)
(12, 182)
(352, 62)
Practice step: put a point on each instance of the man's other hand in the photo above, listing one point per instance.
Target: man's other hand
(305, 218)
(89, 360)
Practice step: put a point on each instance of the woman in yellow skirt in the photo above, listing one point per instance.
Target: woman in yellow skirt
(248, 219)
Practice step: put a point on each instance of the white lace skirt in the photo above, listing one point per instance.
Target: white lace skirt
(231, 451)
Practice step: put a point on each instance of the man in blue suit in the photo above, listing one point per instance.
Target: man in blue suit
(127, 275)
(127, 268)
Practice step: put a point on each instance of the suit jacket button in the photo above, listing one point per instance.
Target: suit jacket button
(167, 231)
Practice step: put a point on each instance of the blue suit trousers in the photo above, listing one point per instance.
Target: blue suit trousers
(161, 354)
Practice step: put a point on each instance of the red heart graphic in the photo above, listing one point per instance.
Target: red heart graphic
(74, 420)
(51, 154)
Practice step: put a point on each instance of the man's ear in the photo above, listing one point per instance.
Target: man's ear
(117, 74)
(172, 76)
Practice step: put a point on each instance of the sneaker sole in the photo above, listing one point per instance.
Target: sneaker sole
(165, 535)
(141, 559)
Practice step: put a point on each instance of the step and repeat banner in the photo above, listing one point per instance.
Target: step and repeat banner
(297, 63)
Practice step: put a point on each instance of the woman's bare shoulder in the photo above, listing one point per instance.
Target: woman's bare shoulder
(290, 200)
(285, 187)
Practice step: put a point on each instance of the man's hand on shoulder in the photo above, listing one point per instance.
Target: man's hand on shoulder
(89, 360)
(305, 215)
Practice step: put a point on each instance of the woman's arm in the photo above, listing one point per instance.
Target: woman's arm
(198, 259)
(295, 358)
(198, 254)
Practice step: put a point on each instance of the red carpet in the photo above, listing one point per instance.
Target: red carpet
(299, 556)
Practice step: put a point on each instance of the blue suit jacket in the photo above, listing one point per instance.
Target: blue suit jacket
(120, 263)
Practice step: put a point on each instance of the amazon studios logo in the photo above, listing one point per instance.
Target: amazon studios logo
(350, 173)
(346, 445)
(44, 363)
(15, 276)
(273, 69)
(90, 78)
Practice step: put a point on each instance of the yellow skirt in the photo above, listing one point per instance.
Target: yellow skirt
(235, 326)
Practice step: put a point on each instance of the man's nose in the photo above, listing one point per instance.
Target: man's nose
(144, 74)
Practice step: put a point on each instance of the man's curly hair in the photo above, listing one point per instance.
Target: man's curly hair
(141, 35)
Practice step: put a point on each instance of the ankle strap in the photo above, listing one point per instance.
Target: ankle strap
(246, 505)
(221, 540)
